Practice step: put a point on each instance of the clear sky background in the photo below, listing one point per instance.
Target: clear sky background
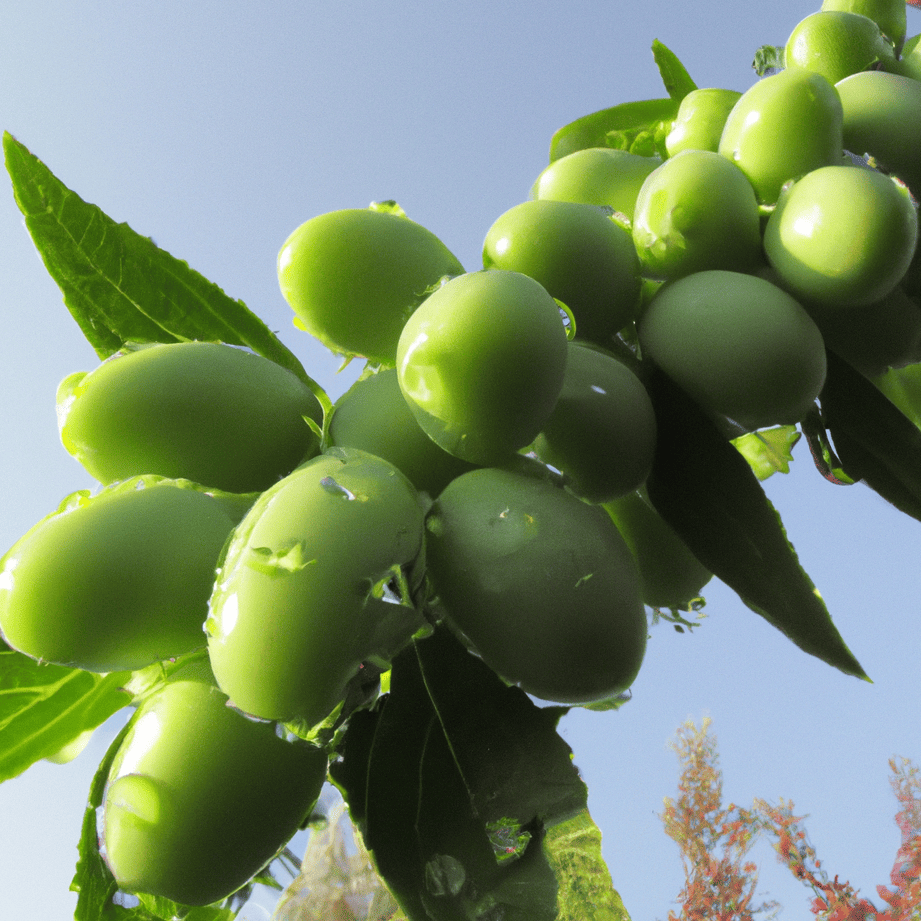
(218, 127)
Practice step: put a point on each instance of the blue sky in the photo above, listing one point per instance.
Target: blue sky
(216, 129)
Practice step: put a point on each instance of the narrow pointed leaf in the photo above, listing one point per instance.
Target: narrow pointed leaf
(119, 285)
(707, 492)
(875, 441)
(45, 707)
(677, 80)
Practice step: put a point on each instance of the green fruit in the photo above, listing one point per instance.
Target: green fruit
(882, 118)
(602, 433)
(696, 211)
(842, 236)
(889, 15)
(315, 581)
(373, 416)
(578, 254)
(909, 65)
(199, 798)
(700, 121)
(782, 127)
(596, 176)
(538, 583)
(481, 364)
(115, 581)
(837, 44)
(738, 345)
(672, 577)
(201, 411)
(354, 277)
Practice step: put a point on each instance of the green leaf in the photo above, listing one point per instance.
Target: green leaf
(677, 80)
(621, 126)
(873, 438)
(118, 285)
(45, 707)
(453, 780)
(768, 451)
(769, 59)
(706, 491)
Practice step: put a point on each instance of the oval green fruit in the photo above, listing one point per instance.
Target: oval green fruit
(538, 583)
(738, 345)
(602, 432)
(696, 211)
(115, 581)
(481, 364)
(782, 127)
(201, 411)
(577, 253)
(842, 236)
(700, 121)
(373, 416)
(889, 15)
(596, 176)
(199, 798)
(315, 581)
(354, 277)
(837, 44)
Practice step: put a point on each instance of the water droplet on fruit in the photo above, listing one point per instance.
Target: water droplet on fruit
(336, 489)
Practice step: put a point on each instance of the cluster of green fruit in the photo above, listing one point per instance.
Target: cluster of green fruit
(487, 469)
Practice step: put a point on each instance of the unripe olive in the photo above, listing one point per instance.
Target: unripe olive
(201, 411)
(118, 580)
(199, 798)
(889, 15)
(700, 121)
(578, 254)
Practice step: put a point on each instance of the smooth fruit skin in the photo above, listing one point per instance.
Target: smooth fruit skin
(354, 277)
(578, 254)
(199, 798)
(782, 127)
(837, 44)
(602, 432)
(700, 121)
(696, 211)
(301, 598)
(882, 117)
(115, 581)
(540, 584)
(596, 176)
(842, 236)
(373, 416)
(201, 411)
(889, 15)
(738, 345)
(672, 577)
(481, 364)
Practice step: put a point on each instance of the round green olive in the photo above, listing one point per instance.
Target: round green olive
(837, 44)
(316, 580)
(738, 345)
(700, 120)
(199, 798)
(115, 581)
(696, 211)
(201, 411)
(842, 236)
(602, 432)
(782, 127)
(373, 416)
(889, 15)
(596, 176)
(354, 277)
(538, 583)
(481, 364)
(578, 254)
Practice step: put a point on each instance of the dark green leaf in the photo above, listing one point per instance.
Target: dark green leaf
(45, 707)
(677, 80)
(706, 491)
(875, 441)
(604, 128)
(118, 285)
(452, 781)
